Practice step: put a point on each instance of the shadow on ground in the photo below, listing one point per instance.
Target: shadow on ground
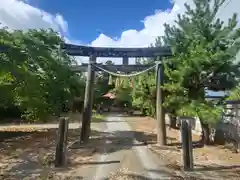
(216, 168)
(20, 152)
(30, 154)
(135, 114)
(34, 151)
(195, 144)
(194, 175)
(119, 140)
(225, 172)
(110, 142)
(5, 135)
(149, 138)
(163, 174)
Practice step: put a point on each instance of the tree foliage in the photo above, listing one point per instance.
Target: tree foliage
(204, 58)
(123, 91)
(144, 93)
(102, 86)
(35, 73)
(234, 94)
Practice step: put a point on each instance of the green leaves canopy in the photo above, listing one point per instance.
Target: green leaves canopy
(35, 73)
(204, 58)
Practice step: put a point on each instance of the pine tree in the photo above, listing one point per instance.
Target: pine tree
(205, 51)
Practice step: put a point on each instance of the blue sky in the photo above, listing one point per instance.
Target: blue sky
(133, 23)
(88, 18)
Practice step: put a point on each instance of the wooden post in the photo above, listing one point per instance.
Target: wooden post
(161, 127)
(61, 148)
(190, 145)
(88, 102)
(186, 133)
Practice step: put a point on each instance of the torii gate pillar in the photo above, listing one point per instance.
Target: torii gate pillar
(161, 127)
(88, 101)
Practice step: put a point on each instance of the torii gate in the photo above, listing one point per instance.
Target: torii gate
(125, 53)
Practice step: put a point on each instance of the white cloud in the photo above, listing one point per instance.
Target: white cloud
(17, 14)
(153, 25)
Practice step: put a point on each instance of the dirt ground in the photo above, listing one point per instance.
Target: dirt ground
(211, 162)
(28, 153)
(31, 156)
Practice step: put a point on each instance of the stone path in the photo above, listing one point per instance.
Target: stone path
(122, 151)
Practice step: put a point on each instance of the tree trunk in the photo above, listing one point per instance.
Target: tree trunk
(173, 121)
(205, 139)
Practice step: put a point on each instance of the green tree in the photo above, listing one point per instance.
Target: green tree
(144, 93)
(103, 86)
(123, 91)
(35, 73)
(144, 89)
(204, 50)
(234, 94)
